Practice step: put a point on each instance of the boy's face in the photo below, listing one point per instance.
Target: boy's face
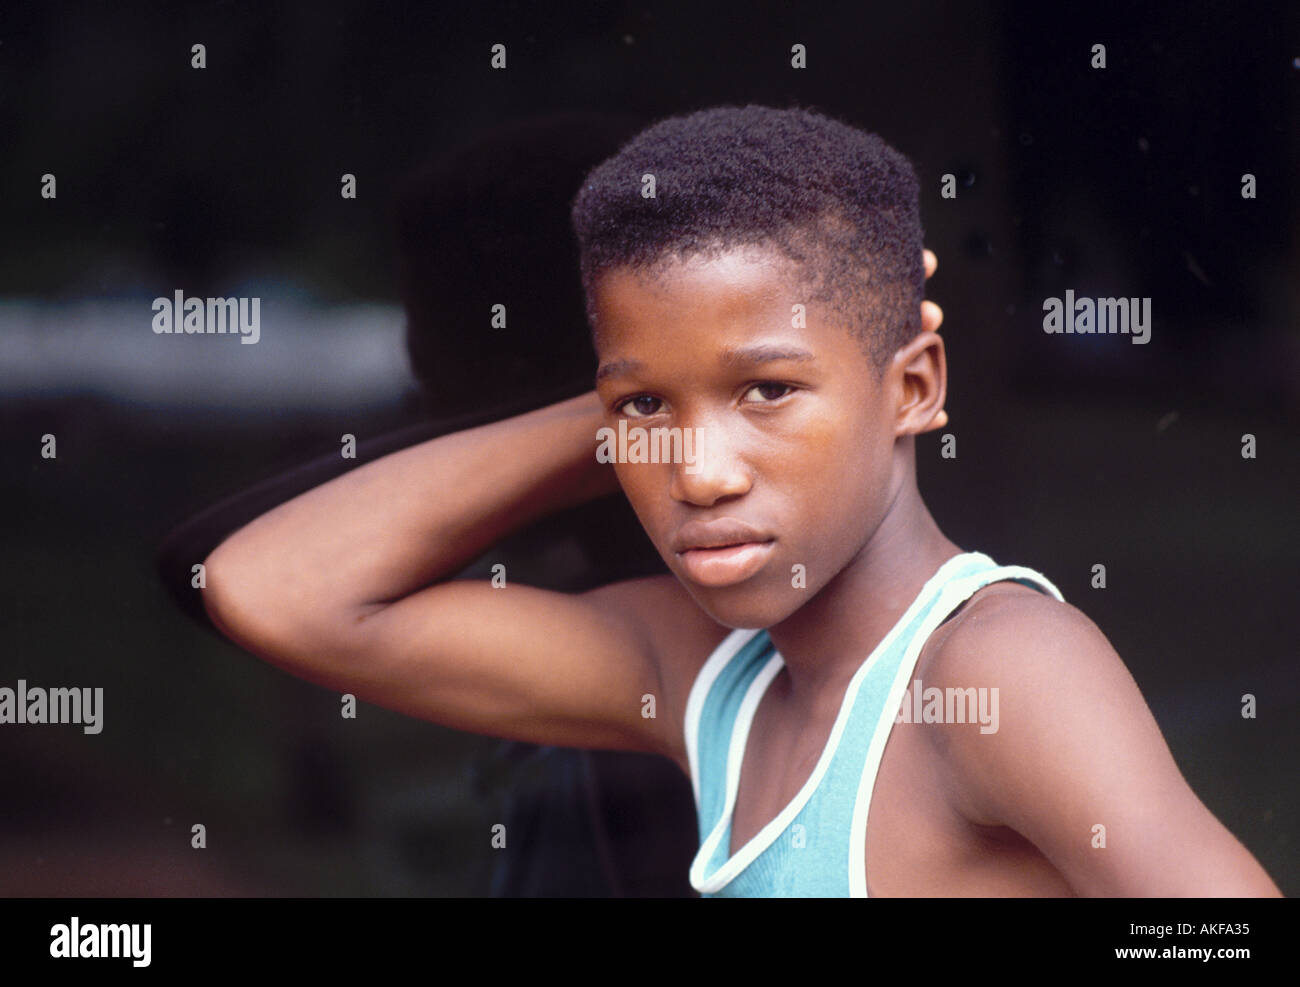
(795, 452)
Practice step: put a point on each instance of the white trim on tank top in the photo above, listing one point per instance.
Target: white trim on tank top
(722, 655)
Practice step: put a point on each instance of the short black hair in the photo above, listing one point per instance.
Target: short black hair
(837, 200)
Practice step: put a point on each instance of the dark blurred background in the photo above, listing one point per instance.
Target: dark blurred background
(1072, 450)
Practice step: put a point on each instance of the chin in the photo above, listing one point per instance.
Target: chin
(747, 605)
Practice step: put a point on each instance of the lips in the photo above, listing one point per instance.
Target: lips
(722, 552)
(717, 534)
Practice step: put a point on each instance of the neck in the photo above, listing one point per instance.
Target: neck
(827, 639)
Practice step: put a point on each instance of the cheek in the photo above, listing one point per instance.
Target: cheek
(644, 488)
(839, 449)
(840, 467)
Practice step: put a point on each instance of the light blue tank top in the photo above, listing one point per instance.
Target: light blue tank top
(816, 845)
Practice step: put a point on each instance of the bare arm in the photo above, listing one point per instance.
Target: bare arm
(1077, 748)
(346, 585)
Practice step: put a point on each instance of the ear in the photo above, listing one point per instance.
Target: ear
(918, 379)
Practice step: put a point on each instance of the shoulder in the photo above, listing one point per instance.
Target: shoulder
(1076, 758)
(679, 637)
(665, 615)
(1061, 694)
(1007, 625)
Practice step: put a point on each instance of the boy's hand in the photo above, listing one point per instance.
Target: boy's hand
(931, 314)
(931, 319)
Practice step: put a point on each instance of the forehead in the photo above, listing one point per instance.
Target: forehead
(682, 320)
(732, 287)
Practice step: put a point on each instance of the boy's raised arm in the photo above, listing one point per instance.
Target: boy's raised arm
(344, 586)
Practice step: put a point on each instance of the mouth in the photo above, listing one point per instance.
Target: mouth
(722, 552)
(725, 565)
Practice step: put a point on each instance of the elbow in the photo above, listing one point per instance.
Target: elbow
(245, 602)
(225, 606)
(270, 613)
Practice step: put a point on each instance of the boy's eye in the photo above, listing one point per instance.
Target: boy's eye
(640, 407)
(644, 405)
(769, 391)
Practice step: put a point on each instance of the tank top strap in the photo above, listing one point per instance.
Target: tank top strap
(717, 698)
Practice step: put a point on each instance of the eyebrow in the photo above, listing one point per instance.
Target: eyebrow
(743, 356)
(749, 355)
(617, 367)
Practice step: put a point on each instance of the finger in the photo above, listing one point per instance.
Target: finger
(931, 316)
(930, 260)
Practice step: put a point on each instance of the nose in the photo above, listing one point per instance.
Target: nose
(718, 471)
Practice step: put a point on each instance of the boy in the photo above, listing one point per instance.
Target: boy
(754, 282)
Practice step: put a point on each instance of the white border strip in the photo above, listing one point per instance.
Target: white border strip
(727, 649)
